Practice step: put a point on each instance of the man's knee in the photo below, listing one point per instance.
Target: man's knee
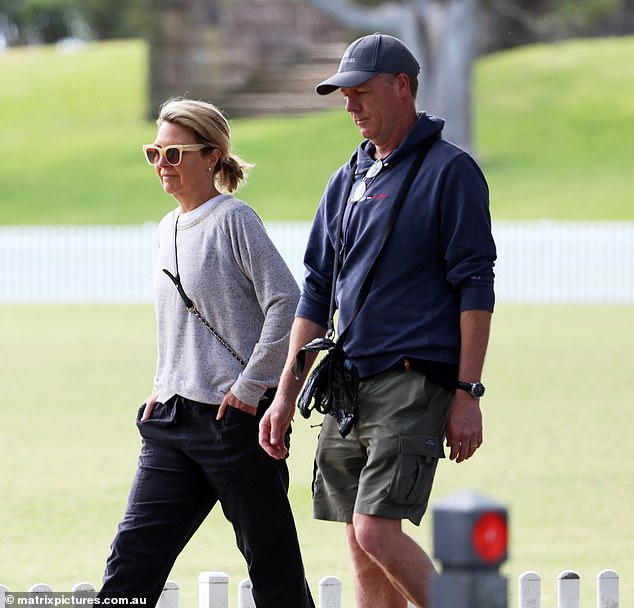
(374, 535)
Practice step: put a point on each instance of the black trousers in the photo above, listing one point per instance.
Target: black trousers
(188, 463)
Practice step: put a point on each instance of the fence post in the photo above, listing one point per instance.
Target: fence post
(3, 591)
(87, 588)
(530, 590)
(607, 589)
(169, 597)
(40, 590)
(330, 592)
(568, 590)
(213, 590)
(245, 594)
(83, 591)
(470, 540)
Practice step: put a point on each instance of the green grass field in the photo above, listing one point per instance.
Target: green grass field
(557, 450)
(554, 131)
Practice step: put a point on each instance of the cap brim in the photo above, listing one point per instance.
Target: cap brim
(343, 79)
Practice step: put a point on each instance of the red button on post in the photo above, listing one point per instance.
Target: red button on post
(490, 537)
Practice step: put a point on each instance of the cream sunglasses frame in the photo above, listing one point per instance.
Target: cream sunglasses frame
(163, 152)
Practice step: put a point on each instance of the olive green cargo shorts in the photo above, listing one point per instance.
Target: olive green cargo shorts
(386, 465)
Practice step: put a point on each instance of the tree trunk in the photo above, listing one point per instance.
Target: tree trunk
(441, 34)
(176, 32)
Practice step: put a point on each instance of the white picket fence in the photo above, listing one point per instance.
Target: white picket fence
(213, 591)
(541, 261)
(569, 590)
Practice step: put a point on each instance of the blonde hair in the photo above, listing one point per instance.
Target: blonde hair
(209, 126)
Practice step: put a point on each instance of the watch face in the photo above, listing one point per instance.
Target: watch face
(478, 390)
(475, 389)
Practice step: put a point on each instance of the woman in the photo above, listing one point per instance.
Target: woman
(225, 302)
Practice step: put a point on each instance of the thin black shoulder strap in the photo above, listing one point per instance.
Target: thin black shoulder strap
(189, 304)
(398, 204)
(335, 269)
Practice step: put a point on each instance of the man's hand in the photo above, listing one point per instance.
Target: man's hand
(274, 425)
(464, 426)
(464, 422)
(277, 418)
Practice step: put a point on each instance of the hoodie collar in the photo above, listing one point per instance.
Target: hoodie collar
(425, 126)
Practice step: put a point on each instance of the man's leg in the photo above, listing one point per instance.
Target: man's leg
(390, 567)
(402, 425)
(373, 588)
(379, 474)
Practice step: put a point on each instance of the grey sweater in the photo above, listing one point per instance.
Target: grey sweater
(241, 285)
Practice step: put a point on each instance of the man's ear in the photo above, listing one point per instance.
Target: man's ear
(402, 83)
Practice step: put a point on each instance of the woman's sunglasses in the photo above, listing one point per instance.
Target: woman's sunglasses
(173, 154)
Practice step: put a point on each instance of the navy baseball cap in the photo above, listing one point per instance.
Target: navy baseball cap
(367, 57)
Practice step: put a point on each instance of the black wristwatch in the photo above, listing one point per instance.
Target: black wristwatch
(475, 389)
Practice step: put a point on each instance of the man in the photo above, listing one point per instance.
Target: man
(420, 337)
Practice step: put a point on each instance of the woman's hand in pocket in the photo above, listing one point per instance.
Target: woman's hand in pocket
(231, 400)
(150, 402)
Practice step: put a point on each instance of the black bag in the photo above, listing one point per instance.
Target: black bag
(332, 387)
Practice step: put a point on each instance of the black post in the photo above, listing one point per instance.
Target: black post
(470, 541)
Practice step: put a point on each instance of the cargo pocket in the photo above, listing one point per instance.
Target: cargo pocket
(415, 470)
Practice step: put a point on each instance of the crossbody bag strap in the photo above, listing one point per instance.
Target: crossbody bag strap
(396, 207)
(189, 304)
(335, 266)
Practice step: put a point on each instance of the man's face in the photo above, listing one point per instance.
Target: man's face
(373, 105)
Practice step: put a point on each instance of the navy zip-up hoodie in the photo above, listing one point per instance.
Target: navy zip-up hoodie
(437, 262)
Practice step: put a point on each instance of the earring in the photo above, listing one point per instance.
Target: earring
(209, 169)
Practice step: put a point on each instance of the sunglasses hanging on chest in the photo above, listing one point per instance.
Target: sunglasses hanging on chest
(358, 192)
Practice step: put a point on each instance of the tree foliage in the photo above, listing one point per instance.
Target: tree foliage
(46, 21)
(37, 21)
(516, 22)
